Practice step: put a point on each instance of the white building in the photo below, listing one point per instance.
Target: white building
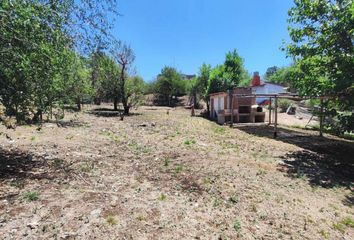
(259, 87)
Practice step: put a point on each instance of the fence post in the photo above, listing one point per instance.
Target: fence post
(276, 117)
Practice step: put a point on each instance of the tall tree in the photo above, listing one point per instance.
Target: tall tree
(234, 70)
(322, 48)
(169, 83)
(124, 56)
(203, 79)
(108, 79)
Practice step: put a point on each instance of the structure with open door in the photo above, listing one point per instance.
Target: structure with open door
(236, 106)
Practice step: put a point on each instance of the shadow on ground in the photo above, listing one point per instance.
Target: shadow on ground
(325, 162)
(108, 112)
(17, 165)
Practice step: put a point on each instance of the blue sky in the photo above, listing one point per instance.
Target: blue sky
(186, 33)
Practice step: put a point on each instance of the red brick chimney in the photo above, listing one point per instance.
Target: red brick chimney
(256, 80)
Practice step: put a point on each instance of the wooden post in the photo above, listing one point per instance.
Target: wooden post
(232, 108)
(276, 117)
(321, 118)
(270, 110)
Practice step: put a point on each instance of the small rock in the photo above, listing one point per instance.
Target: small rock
(32, 225)
(49, 125)
(96, 212)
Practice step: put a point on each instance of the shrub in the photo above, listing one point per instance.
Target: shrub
(284, 104)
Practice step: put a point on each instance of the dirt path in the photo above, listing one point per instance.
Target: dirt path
(169, 176)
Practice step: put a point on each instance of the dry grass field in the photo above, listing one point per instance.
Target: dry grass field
(165, 175)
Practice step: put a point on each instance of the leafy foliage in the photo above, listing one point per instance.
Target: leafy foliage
(229, 75)
(40, 42)
(169, 83)
(322, 46)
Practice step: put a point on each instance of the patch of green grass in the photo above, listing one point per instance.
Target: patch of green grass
(33, 138)
(254, 207)
(190, 142)
(226, 144)
(219, 130)
(111, 220)
(86, 167)
(69, 137)
(217, 202)
(112, 136)
(162, 197)
(58, 163)
(324, 233)
(237, 226)
(179, 168)
(31, 196)
(140, 218)
(348, 221)
(206, 181)
(343, 224)
(166, 162)
(139, 148)
(17, 183)
(339, 227)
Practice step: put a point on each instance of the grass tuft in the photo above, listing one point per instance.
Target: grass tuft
(111, 220)
(31, 196)
(237, 226)
(162, 197)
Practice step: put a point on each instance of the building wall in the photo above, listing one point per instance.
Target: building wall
(218, 103)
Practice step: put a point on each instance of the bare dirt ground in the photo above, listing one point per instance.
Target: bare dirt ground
(170, 176)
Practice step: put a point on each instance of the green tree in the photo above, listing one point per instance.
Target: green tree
(282, 76)
(202, 82)
(135, 88)
(107, 80)
(31, 54)
(35, 38)
(229, 75)
(169, 83)
(270, 72)
(216, 81)
(77, 82)
(193, 90)
(322, 48)
(234, 71)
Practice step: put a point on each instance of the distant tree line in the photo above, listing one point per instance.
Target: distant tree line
(169, 83)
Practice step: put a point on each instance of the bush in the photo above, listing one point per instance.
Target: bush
(311, 103)
(284, 104)
(343, 123)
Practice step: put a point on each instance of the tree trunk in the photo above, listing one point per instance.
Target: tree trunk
(97, 100)
(38, 116)
(115, 103)
(208, 107)
(126, 110)
(78, 104)
(122, 91)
